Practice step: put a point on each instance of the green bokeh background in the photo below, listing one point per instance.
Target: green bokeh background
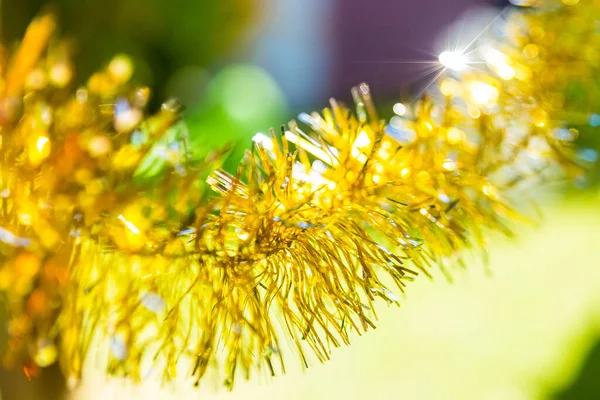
(162, 36)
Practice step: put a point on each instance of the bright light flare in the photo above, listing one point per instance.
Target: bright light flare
(399, 109)
(453, 60)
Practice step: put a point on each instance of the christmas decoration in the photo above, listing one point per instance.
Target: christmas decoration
(318, 224)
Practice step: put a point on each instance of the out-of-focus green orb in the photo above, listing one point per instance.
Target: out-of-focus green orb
(239, 102)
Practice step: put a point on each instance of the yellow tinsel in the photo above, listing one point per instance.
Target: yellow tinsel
(340, 209)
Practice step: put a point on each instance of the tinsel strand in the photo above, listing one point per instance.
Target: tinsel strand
(317, 224)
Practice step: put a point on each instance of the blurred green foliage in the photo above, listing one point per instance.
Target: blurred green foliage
(587, 384)
(163, 36)
(583, 113)
(240, 101)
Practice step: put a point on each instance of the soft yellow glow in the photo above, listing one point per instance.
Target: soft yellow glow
(539, 117)
(453, 60)
(243, 235)
(531, 51)
(455, 135)
(489, 190)
(25, 218)
(449, 165)
(448, 87)
(482, 93)
(121, 68)
(506, 72)
(60, 74)
(99, 146)
(495, 57)
(424, 176)
(384, 154)
(500, 63)
(128, 119)
(39, 151)
(474, 112)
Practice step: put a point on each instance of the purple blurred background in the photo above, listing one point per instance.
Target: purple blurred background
(370, 35)
(312, 48)
(319, 48)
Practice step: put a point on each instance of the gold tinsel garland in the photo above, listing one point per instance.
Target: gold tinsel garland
(340, 209)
